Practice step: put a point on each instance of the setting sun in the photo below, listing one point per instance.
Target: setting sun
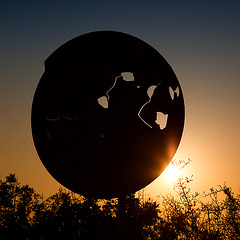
(172, 172)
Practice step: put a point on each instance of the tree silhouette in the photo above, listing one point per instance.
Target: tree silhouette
(16, 208)
(24, 214)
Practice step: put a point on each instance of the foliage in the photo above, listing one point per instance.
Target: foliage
(17, 204)
(24, 214)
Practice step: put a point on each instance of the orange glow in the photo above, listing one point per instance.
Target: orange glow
(171, 172)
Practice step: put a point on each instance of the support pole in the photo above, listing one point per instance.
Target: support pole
(121, 218)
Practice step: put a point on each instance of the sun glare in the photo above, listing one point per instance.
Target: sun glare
(171, 172)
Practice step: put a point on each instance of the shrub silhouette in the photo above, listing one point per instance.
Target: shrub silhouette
(25, 214)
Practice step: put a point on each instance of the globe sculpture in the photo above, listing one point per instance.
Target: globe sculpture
(107, 114)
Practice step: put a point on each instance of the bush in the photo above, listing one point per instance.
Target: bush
(24, 214)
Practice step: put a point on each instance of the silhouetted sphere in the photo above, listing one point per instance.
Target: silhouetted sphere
(107, 115)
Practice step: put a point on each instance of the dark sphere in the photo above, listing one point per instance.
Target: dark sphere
(107, 115)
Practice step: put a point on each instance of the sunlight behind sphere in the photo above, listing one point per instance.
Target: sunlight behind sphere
(98, 95)
(171, 172)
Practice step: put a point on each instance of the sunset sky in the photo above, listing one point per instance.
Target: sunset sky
(200, 40)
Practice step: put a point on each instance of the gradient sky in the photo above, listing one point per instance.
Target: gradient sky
(200, 40)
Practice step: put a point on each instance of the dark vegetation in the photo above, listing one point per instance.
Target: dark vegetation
(24, 214)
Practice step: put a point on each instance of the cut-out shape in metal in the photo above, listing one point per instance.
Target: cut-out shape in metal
(107, 115)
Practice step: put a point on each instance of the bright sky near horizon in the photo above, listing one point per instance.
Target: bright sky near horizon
(200, 40)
